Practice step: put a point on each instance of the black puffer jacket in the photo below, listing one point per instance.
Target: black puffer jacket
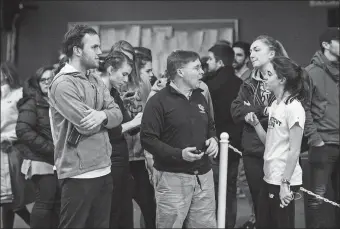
(33, 127)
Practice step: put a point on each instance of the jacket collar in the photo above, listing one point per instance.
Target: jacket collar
(174, 89)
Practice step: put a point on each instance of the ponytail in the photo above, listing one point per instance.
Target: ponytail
(273, 44)
(295, 75)
(281, 50)
(299, 91)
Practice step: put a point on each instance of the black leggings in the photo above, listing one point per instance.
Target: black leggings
(121, 216)
(143, 192)
(46, 209)
(253, 168)
(8, 215)
(269, 212)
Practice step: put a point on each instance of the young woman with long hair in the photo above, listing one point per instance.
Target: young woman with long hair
(115, 70)
(36, 143)
(282, 171)
(254, 97)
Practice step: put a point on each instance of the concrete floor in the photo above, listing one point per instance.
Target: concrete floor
(242, 215)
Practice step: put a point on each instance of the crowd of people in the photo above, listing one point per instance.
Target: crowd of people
(85, 137)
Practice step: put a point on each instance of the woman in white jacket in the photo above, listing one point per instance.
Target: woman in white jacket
(12, 196)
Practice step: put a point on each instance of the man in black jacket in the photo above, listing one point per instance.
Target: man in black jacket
(178, 130)
(224, 85)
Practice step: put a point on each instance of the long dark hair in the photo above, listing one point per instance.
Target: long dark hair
(11, 74)
(295, 77)
(33, 81)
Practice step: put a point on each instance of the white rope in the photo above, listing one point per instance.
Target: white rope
(302, 189)
(235, 150)
(320, 197)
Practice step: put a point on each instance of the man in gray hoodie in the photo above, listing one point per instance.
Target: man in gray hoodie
(81, 112)
(322, 129)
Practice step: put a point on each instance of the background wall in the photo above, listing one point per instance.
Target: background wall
(294, 23)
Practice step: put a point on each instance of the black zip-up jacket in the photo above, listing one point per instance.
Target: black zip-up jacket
(171, 123)
(250, 92)
(33, 127)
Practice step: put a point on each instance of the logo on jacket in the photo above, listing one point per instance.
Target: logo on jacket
(202, 110)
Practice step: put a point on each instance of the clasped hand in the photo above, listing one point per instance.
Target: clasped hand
(251, 118)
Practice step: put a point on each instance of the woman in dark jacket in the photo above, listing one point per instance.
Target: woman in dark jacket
(115, 69)
(254, 97)
(35, 142)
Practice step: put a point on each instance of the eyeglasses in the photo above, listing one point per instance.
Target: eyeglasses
(46, 80)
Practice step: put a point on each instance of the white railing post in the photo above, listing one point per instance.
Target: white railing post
(222, 184)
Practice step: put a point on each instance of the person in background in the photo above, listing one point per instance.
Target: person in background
(114, 71)
(282, 171)
(144, 63)
(178, 130)
(82, 111)
(144, 193)
(13, 199)
(35, 142)
(139, 86)
(322, 129)
(207, 74)
(254, 97)
(224, 85)
(242, 59)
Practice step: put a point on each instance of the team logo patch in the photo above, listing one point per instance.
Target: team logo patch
(202, 110)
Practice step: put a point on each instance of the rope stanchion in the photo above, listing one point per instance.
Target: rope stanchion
(235, 150)
(320, 197)
(223, 174)
(301, 189)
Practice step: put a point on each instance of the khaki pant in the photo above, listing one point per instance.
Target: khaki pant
(182, 201)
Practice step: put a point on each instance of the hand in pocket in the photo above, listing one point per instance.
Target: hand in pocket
(318, 154)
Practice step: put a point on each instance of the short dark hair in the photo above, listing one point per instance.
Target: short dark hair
(11, 74)
(331, 33)
(74, 37)
(244, 46)
(224, 53)
(177, 59)
(143, 55)
(223, 42)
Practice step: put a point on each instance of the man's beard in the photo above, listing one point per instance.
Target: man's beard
(238, 66)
